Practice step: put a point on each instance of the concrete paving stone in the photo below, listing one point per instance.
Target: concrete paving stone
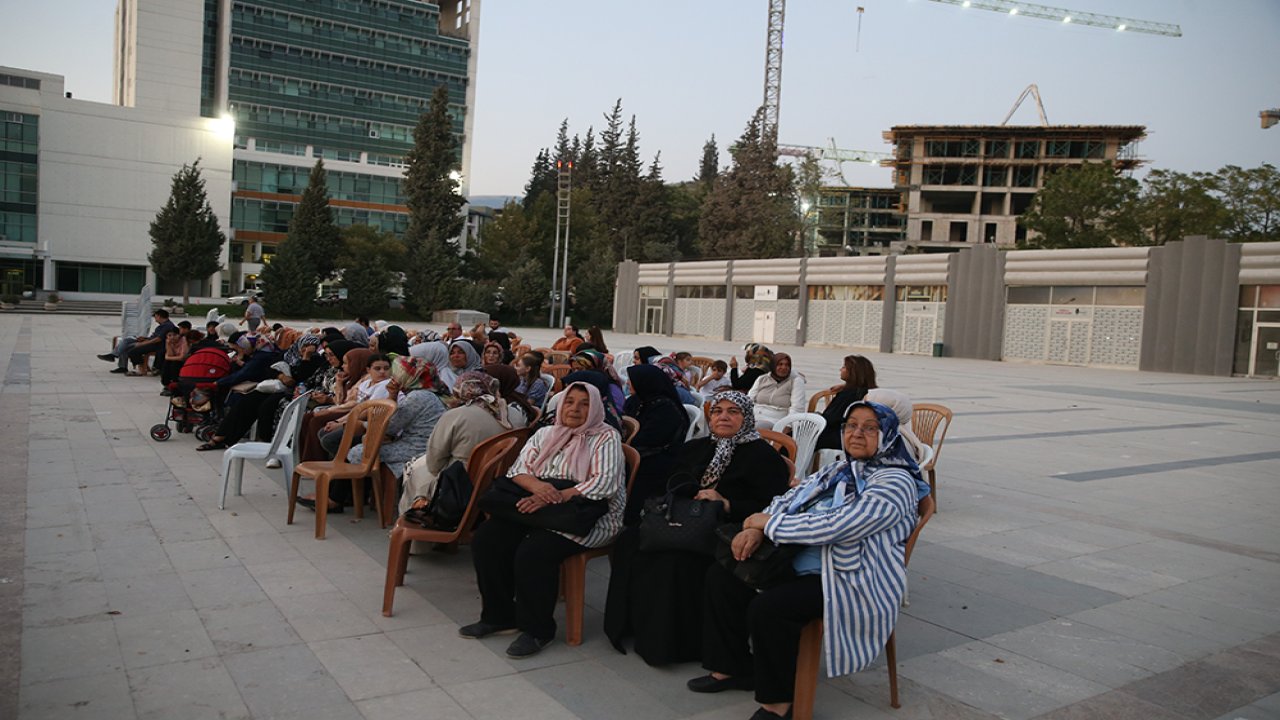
(67, 567)
(69, 651)
(1253, 589)
(1169, 628)
(1176, 559)
(507, 697)
(286, 581)
(44, 541)
(871, 689)
(1090, 652)
(915, 637)
(1246, 619)
(369, 666)
(588, 691)
(1213, 686)
(108, 495)
(55, 513)
(183, 529)
(143, 594)
(967, 611)
(449, 659)
(340, 710)
(1049, 593)
(1115, 705)
(101, 697)
(123, 533)
(434, 702)
(217, 587)
(201, 555)
(133, 560)
(284, 679)
(98, 476)
(998, 681)
(325, 616)
(1120, 578)
(158, 638)
(194, 689)
(172, 508)
(1268, 708)
(249, 626)
(64, 603)
(263, 548)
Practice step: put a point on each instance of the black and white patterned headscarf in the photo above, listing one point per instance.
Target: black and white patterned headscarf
(725, 446)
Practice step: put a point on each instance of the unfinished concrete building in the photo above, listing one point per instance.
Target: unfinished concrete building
(858, 221)
(965, 185)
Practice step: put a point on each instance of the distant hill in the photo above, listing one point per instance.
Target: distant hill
(493, 201)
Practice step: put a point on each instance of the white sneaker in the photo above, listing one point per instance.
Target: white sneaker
(274, 463)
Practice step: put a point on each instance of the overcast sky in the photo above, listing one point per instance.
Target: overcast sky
(693, 68)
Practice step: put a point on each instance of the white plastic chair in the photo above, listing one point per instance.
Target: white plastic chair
(697, 423)
(551, 402)
(284, 447)
(805, 429)
(550, 380)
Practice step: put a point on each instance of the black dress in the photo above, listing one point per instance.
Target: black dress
(834, 414)
(743, 382)
(663, 426)
(656, 597)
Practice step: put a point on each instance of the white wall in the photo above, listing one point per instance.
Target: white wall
(158, 54)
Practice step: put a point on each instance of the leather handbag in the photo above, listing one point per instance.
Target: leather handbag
(448, 502)
(675, 522)
(769, 565)
(577, 517)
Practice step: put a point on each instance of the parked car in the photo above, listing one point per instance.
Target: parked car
(244, 298)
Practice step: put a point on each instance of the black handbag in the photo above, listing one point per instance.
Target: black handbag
(769, 565)
(578, 516)
(449, 501)
(675, 522)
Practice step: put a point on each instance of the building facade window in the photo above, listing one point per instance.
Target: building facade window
(89, 277)
(873, 293)
(922, 293)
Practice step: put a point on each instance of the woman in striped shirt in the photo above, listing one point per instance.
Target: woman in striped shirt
(518, 566)
(853, 518)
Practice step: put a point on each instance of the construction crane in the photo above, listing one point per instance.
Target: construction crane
(1075, 17)
(1269, 117)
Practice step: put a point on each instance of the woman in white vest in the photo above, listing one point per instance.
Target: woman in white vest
(777, 393)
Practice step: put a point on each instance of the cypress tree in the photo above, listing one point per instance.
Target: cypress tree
(313, 229)
(186, 243)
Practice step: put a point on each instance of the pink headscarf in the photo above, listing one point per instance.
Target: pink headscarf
(574, 441)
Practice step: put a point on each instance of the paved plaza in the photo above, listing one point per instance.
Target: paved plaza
(1106, 546)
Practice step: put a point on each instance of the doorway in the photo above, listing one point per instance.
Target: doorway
(1265, 359)
(762, 331)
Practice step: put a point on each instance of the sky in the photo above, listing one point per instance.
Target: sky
(691, 69)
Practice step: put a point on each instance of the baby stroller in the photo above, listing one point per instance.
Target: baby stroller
(195, 402)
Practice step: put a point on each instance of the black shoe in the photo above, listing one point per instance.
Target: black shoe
(526, 646)
(166, 393)
(108, 357)
(710, 684)
(310, 504)
(475, 631)
(119, 371)
(762, 714)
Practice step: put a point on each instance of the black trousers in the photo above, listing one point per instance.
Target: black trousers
(518, 570)
(240, 417)
(169, 370)
(771, 620)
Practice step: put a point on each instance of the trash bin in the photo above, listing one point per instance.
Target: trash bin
(937, 349)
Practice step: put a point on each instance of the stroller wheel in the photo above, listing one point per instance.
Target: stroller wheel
(160, 433)
(204, 432)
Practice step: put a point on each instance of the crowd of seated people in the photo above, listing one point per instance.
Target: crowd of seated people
(453, 391)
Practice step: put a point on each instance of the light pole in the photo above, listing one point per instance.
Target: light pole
(564, 188)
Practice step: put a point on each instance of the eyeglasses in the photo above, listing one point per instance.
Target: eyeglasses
(852, 429)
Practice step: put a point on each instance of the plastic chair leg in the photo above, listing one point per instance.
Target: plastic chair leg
(357, 494)
(239, 476)
(808, 659)
(397, 555)
(933, 488)
(322, 505)
(226, 480)
(293, 496)
(891, 657)
(573, 575)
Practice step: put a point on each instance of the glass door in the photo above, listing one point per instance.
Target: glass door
(1266, 350)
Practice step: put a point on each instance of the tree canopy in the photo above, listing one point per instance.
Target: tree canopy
(186, 242)
(435, 220)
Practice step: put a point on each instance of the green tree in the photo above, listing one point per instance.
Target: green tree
(186, 243)
(431, 193)
(1175, 205)
(312, 227)
(368, 260)
(750, 211)
(1086, 206)
(290, 282)
(542, 178)
(808, 188)
(525, 293)
(709, 166)
(1252, 199)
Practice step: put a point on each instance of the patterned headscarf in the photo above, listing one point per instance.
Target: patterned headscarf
(423, 336)
(356, 333)
(508, 388)
(669, 366)
(891, 452)
(287, 337)
(293, 355)
(481, 389)
(411, 373)
(725, 446)
(758, 356)
(574, 441)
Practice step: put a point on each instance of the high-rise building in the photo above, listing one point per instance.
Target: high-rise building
(340, 80)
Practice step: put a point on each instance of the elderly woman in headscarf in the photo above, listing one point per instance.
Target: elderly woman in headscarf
(602, 384)
(759, 361)
(664, 423)
(519, 411)
(656, 596)
(594, 361)
(518, 565)
(418, 414)
(463, 357)
(356, 333)
(852, 519)
(480, 415)
(902, 407)
(778, 393)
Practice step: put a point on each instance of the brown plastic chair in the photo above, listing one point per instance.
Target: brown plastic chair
(783, 443)
(573, 571)
(810, 655)
(630, 426)
(927, 421)
(518, 351)
(375, 414)
(824, 398)
(558, 372)
(558, 357)
(487, 460)
(703, 362)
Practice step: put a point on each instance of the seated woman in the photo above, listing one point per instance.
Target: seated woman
(373, 386)
(418, 414)
(532, 386)
(656, 597)
(256, 356)
(354, 363)
(594, 361)
(598, 380)
(480, 416)
(259, 407)
(663, 426)
(853, 519)
(902, 407)
(759, 360)
(568, 342)
(492, 354)
(779, 393)
(393, 339)
(463, 357)
(519, 412)
(518, 566)
(672, 368)
(859, 376)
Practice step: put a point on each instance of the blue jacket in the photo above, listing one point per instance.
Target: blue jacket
(256, 368)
